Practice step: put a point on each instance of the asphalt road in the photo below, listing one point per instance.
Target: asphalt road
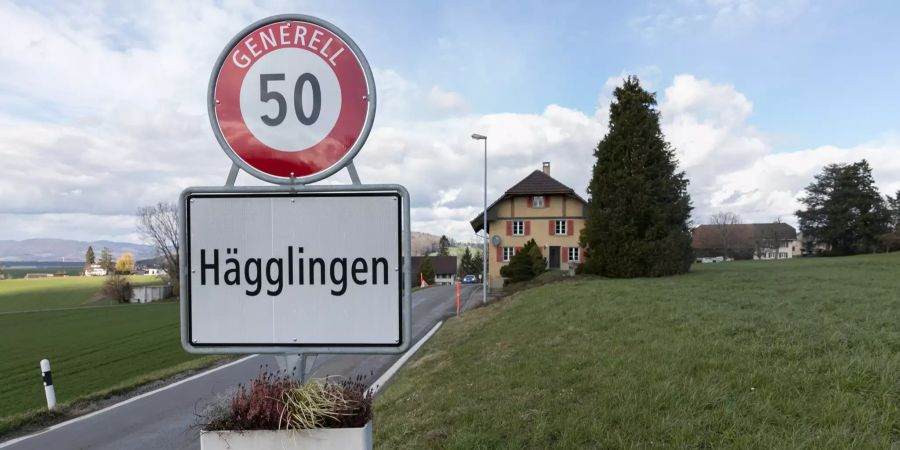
(166, 419)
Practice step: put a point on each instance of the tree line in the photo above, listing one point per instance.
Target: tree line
(123, 265)
(845, 214)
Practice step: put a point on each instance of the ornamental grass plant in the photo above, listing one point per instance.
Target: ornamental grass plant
(275, 401)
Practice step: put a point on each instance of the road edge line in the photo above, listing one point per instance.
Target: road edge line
(122, 403)
(386, 376)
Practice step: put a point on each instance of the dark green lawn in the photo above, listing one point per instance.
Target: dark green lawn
(801, 353)
(93, 351)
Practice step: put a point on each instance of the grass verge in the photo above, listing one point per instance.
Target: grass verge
(94, 353)
(782, 354)
(36, 419)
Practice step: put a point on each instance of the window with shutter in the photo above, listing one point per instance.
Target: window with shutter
(518, 228)
(560, 228)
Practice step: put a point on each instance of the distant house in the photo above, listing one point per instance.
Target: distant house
(762, 241)
(538, 207)
(444, 269)
(155, 271)
(809, 247)
(95, 270)
(147, 294)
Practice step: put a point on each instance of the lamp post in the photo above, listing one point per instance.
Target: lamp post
(484, 224)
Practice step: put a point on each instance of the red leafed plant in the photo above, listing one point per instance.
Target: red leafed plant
(274, 401)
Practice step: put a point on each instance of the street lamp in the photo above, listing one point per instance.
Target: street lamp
(484, 224)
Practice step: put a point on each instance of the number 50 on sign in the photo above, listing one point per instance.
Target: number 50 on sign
(291, 99)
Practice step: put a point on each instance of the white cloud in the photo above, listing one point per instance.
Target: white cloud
(400, 99)
(731, 165)
(719, 16)
(446, 101)
(94, 124)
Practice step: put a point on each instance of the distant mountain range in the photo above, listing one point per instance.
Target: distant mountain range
(65, 250)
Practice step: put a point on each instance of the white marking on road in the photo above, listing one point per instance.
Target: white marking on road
(381, 381)
(125, 402)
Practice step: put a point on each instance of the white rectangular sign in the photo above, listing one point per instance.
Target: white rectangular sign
(314, 270)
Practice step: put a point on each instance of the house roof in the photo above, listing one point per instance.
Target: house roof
(741, 235)
(536, 183)
(442, 265)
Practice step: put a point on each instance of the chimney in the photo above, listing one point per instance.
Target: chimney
(547, 167)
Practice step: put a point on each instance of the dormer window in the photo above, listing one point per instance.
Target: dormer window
(537, 201)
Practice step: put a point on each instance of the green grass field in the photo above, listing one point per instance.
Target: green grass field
(94, 351)
(17, 272)
(53, 293)
(773, 354)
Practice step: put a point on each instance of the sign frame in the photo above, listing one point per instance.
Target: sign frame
(296, 191)
(351, 152)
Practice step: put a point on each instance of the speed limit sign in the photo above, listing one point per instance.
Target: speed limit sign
(291, 99)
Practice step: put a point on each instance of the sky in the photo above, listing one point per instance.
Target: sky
(103, 104)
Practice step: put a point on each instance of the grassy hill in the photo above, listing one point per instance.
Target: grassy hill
(800, 353)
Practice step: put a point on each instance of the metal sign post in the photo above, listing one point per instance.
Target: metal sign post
(294, 269)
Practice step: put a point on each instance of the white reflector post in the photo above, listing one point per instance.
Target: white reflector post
(48, 384)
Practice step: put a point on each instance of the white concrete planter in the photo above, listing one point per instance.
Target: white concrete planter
(319, 438)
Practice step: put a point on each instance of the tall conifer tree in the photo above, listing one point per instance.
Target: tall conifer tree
(638, 211)
(844, 209)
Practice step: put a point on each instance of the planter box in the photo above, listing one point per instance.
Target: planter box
(319, 438)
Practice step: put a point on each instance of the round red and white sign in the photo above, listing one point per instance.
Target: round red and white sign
(291, 99)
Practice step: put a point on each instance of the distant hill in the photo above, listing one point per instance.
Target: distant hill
(423, 243)
(66, 250)
(60, 250)
(427, 244)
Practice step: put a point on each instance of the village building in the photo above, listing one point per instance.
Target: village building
(761, 241)
(95, 270)
(541, 208)
(445, 268)
(147, 294)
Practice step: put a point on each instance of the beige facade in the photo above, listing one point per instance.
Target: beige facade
(517, 222)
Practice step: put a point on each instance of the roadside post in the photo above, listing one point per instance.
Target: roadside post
(457, 298)
(294, 269)
(49, 390)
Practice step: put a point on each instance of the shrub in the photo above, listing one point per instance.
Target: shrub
(427, 270)
(526, 264)
(118, 288)
(276, 402)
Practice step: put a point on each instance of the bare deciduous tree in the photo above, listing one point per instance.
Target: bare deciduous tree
(158, 225)
(724, 222)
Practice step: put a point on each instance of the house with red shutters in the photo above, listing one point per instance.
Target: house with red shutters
(541, 208)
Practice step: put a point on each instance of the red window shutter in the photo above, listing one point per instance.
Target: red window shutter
(570, 227)
(565, 254)
(499, 252)
(509, 227)
(552, 227)
(546, 201)
(529, 202)
(527, 228)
